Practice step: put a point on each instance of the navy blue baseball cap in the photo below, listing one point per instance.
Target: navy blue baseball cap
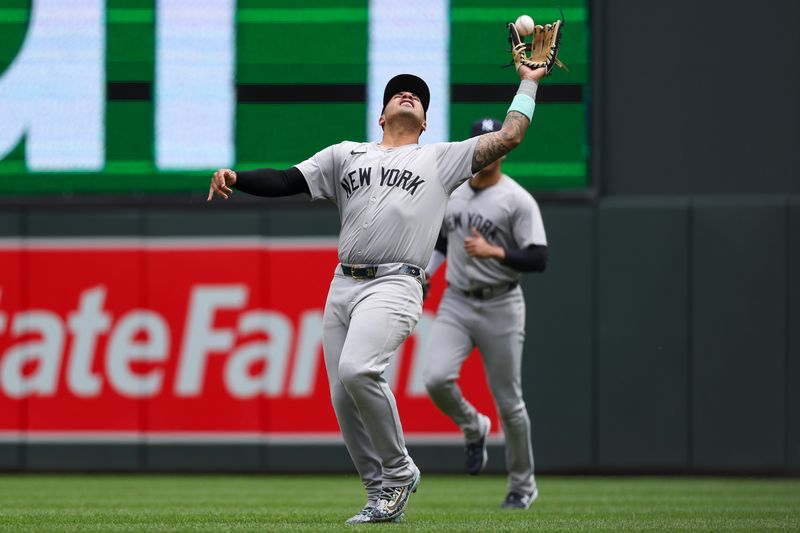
(410, 83)
(485, 125)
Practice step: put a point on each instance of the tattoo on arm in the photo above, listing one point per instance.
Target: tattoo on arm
(492, 146)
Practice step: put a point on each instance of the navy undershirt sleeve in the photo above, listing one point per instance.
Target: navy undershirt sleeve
(530, 259)
(270, 182)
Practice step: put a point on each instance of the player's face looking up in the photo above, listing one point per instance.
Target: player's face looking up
(405, 107)
(407, 99)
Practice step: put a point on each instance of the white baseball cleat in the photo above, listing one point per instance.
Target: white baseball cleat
(365, 515)
(362, 516)
(394, 500)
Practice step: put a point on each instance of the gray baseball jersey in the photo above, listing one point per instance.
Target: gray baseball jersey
(391, 200)
(505, 214)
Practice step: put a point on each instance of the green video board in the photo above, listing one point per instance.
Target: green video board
(148, 96)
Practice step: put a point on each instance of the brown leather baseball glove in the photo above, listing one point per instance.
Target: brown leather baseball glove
(543, 50)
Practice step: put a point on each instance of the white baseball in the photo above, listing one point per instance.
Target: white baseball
(524, 25)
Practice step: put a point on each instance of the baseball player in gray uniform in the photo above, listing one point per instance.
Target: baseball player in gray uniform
(391, 198)
(492, 231)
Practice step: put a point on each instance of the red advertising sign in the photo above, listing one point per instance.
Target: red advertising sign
(185, 339)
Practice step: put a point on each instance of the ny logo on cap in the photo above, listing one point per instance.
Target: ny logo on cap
(487, 125)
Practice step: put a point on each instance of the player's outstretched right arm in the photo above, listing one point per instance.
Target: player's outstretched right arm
(492, 146)
(261, 182)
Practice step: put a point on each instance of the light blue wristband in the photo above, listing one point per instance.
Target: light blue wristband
(524, 104)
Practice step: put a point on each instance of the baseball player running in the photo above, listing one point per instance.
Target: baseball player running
(391, 197)
(492, 231)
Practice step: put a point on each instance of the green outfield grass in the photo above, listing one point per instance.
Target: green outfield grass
(443, 503)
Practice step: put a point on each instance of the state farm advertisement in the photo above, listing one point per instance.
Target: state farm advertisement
(186, 339)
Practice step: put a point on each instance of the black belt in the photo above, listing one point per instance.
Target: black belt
(371, 271)
(486, 293)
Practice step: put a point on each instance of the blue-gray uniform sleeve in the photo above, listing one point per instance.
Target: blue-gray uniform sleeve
(321, 172)
(454, 162)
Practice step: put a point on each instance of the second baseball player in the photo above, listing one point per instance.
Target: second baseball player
(492, 231)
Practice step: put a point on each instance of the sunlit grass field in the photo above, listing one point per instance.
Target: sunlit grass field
(443, 503)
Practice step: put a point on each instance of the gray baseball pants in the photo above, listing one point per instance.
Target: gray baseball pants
(364, 322)
(497, 327)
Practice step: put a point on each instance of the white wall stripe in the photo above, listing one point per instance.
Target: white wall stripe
(412, 36)
(195, 100)
(205, 438)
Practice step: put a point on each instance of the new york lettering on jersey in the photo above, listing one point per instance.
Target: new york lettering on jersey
(505, 214)
(350, 184)
(390, 177)
(454, 221)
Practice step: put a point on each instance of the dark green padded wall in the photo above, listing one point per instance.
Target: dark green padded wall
(557, 364)
(10, 223)
(320, 219)
(190, 457)
(642, 333)
(94, 457)
(212, 222)
(739, 333)
(85, 223)
(793, 359)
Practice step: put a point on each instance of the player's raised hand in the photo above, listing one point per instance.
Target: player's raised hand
(527, 73)
(221, 183)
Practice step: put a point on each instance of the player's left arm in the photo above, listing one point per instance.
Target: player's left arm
(532, 258)
(492, 146)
